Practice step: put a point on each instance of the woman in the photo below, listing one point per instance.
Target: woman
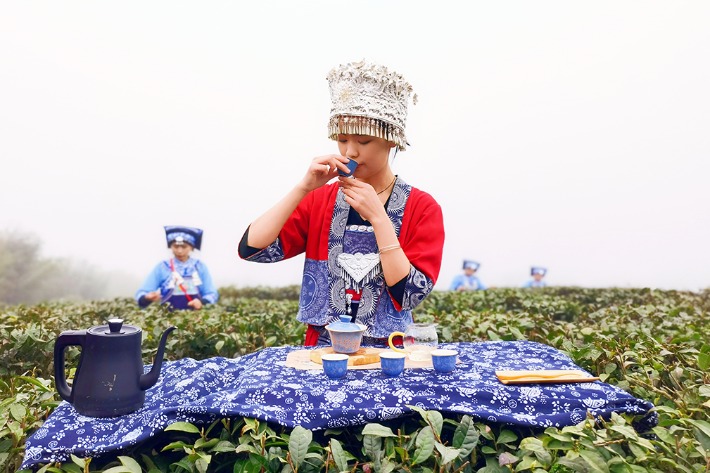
(182, 281)
(537, 274)
(373, 243)
(468, 281)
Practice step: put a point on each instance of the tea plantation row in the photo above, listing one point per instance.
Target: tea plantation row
(654, 344)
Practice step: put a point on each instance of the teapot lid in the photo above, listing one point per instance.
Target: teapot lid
(345, 325)
(114, 328)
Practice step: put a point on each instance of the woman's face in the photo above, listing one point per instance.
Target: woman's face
(370, 153)
(181, 251)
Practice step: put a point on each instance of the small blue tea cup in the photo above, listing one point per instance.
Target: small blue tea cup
(335, 365)
(351, 166)
(392, 362)
(444, 360)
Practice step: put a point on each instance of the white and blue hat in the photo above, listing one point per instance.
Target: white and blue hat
(470, 264)
(538, 270)
(191, 236)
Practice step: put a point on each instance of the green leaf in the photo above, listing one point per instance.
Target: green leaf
(704, 361)
(183, 427)
(248, 448)
(425, 445)
(638, 452)
(702, 432)
(36, 382)
(179, 445)
(506, 436)
(78, 461)
(436, 420)
(339, 457)
(422, 412)
(662, 433)
(625, 430)
(18, 412)
(372, 446)
(223, 446)
(387, 466)
(184, 463)
(116, 469)
(203, 462)
(378, 430)
(298, 444)
(595, 461)
(249, 465)
(448, 454)
(130, 464)
(532, 444)
(465, 437)
(507, 458)
(203, 444)
(69, 468)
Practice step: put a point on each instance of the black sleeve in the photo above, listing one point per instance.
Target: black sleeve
(397, 291)
(246, 251)
(143, 302)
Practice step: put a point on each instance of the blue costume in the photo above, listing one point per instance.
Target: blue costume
(189, 278)
(534, 282)
(179, 282)
(468, 282)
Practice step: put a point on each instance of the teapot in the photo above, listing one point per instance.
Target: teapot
(109, 378)
(419, 341)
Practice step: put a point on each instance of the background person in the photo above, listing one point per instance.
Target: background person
(182, 281)
(468, 281)
(537, 274)
(373, 243)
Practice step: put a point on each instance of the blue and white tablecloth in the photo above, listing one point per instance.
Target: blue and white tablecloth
(260, 386)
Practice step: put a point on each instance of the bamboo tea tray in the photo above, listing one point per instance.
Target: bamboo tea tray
(364, 356)
(367, 358)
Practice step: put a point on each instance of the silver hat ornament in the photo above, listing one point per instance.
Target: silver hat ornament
(369, 99)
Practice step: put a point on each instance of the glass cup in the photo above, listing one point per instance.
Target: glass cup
(419, 340)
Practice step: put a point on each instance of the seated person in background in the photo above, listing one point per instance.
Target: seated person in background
(468, 281)
(182, 281)
(537, 273)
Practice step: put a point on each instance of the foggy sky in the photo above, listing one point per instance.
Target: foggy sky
(563, 134)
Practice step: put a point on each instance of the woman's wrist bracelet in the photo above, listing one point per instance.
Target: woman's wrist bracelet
(385, 249)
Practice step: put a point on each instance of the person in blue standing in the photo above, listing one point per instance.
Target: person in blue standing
(468, 281)
(537, 274)
(182, 281)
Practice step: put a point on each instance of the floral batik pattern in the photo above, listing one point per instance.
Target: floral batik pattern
(260, 386)
(376, 309)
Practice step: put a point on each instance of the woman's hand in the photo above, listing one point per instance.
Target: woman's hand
(195, 304)
(153, 296)
(264, 230)
(322, 170)
(362, 197)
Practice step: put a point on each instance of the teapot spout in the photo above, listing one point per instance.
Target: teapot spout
(149, 379)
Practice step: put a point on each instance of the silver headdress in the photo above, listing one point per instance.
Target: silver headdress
(368, 99)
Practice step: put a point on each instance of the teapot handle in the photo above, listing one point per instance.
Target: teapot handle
(391, 343)
(68, 338)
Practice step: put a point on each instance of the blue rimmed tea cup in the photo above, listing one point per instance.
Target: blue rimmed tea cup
(444, 360)
(392, 362)
(335, 365)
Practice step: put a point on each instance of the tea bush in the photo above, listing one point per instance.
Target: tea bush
(654, 344)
